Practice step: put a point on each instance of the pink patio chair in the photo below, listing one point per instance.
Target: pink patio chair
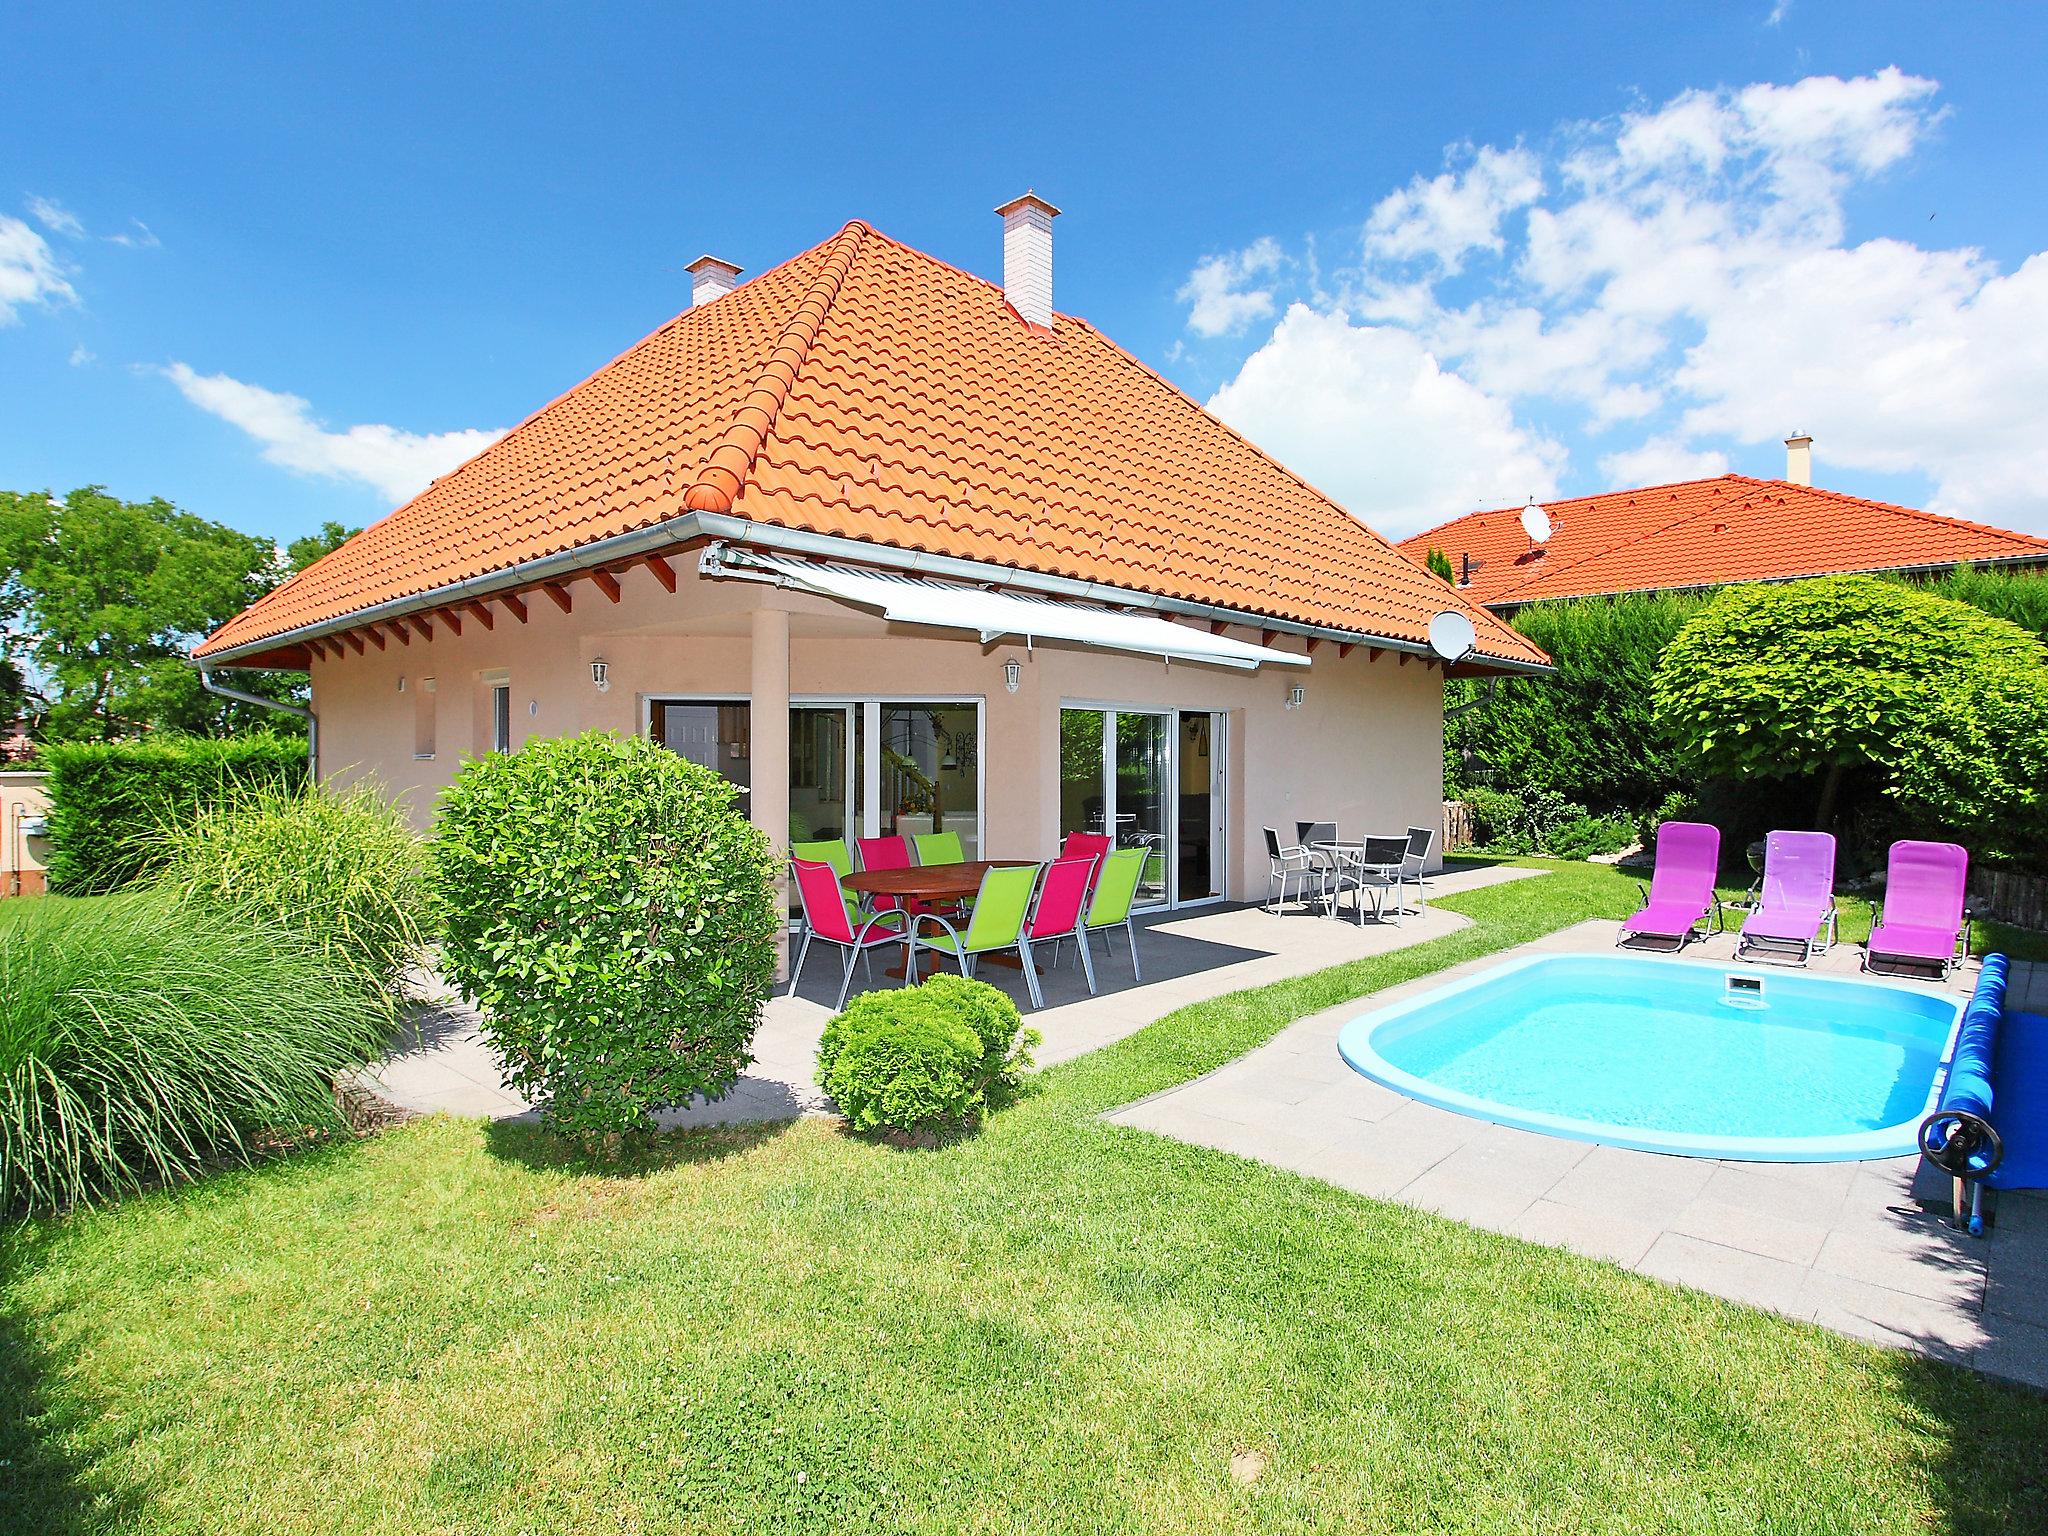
(894, 853)
(1921, 921)
(1681, 892)
(1088, 845)
(1062, 906)
(1796, 902)
(826, 919)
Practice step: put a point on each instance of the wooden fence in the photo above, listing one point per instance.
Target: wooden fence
(1457, 825)
(2006, 896)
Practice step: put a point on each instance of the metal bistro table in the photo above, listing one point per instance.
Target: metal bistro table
(931, 883)
(1362, 861)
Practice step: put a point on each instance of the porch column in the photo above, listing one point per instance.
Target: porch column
(769, 730)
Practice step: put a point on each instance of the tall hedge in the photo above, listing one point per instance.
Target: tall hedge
(112, 803)
(1588, 733)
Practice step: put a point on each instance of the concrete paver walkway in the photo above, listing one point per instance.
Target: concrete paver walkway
(1840, 1244)
(1191, 955)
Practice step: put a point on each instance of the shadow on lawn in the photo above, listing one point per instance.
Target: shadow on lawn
(1985, 1445)
(532, 1145)
(43, 1486)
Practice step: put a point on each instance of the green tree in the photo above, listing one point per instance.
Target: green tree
(303, 551)
(103, 599)
(1819, 677)
(1440, 563)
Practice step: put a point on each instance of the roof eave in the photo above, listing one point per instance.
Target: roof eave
(1508, 600)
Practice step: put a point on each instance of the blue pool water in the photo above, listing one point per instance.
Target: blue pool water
(1664, 1056)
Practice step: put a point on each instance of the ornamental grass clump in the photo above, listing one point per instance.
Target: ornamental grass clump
(143, 1039)
(613, 915)
(343, 869)
(924, 1062)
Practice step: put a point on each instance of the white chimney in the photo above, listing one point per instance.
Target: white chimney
(711, 279)
(1027, 257)
(1799, 459)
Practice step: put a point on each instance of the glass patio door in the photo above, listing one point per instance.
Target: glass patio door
(1147, 779)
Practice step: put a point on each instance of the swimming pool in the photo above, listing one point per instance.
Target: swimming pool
(1670, 1056)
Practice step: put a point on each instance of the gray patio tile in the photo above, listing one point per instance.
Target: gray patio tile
(1374, 1163)
(1496, 1176)
(469, 1100)
(1899, 1319)
(1745, 1277)
(1351, 1097)
(1929, 1264)
(2017, 1293)
(1758, 1187)
(1752, 1231)
(2014, 1350)
(1595, 1234)
(1639, 1186)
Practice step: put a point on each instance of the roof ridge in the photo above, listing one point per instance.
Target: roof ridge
(1942, 519)
(726, 467)
(1506, 594)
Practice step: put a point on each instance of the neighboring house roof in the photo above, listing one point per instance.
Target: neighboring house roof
(1703, 533)
(865, 390)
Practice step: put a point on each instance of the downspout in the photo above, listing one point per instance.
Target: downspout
(312, 720)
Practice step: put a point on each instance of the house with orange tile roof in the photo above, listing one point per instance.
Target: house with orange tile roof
(1706, 533)
(898, 549)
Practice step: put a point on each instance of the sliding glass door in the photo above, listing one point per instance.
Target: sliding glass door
(1149, 779)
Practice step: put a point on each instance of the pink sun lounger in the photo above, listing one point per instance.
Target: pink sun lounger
(1681, 892)
(1921, 922)
(1797, 900)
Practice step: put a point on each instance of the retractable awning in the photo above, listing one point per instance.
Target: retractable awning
(916, 600)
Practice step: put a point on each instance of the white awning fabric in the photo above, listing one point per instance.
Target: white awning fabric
(916, 600)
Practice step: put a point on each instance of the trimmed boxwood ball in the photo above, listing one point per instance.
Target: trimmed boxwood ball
(613, 914)
(923, 1061)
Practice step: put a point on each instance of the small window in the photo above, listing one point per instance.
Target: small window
(501, 718)
(423, 719)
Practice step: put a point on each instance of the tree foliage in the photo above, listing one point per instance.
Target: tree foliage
(103, 599)
(1439, 562)
(1818, 677)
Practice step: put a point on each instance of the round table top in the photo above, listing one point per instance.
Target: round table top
(928, 880)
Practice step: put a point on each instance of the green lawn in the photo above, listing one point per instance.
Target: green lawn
(1058, 1325)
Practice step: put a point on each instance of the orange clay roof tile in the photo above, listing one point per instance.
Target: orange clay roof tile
(865, 390)
(1700, 533)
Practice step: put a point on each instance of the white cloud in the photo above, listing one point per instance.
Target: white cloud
(1222, 302)
(81, 355)
(29, 271)
(1366, 414)
(55, 217)
(1661, 461)
(1447, 217)
(395, 463)
(138, 236)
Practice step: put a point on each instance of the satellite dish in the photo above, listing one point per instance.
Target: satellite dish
(1536, 523)
(1451, 636)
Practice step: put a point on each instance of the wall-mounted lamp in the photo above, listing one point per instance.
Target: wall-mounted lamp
(401, 683)
(1297, 696)
(601, 675)
(1013, 674)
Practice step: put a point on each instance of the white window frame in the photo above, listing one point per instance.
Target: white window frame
(1219, 774)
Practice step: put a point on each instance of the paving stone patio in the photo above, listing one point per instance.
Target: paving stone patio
(1840, 1244)
(443, 1065)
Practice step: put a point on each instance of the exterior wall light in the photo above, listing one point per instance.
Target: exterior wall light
(1297, 696)
(601, 675)
(1013, 673)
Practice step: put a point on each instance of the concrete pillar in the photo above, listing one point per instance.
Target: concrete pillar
(768, 731)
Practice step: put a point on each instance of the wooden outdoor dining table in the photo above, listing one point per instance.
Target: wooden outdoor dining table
(932, 883)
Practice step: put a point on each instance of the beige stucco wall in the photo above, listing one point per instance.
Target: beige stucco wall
(1365, 750)
(22, 799)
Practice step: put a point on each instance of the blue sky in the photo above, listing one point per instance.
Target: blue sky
(282, 266)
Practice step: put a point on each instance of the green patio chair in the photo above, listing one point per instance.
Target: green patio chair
(996, 924)
(1116, 892)
(939, 848)
(832, 851)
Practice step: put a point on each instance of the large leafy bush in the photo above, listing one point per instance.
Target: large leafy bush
(341, 868)
(112, 803)
(923, 1061)
(142, 1038)
(612, 912)
(1821, 677)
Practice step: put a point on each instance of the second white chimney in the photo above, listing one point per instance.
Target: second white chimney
(711, 278)
(1799, 459)
(1027, 257)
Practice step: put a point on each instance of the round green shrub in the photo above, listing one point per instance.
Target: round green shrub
(612, 913)
(341, 868)
(1584, 836)
(143, 1038)
(922, 1061)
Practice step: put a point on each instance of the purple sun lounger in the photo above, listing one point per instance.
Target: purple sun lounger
(1797, 901)
(1921, 923)
(1681, 892)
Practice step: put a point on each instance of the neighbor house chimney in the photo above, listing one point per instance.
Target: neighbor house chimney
(1799, 459)
(711, 279)
(1027, 257)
